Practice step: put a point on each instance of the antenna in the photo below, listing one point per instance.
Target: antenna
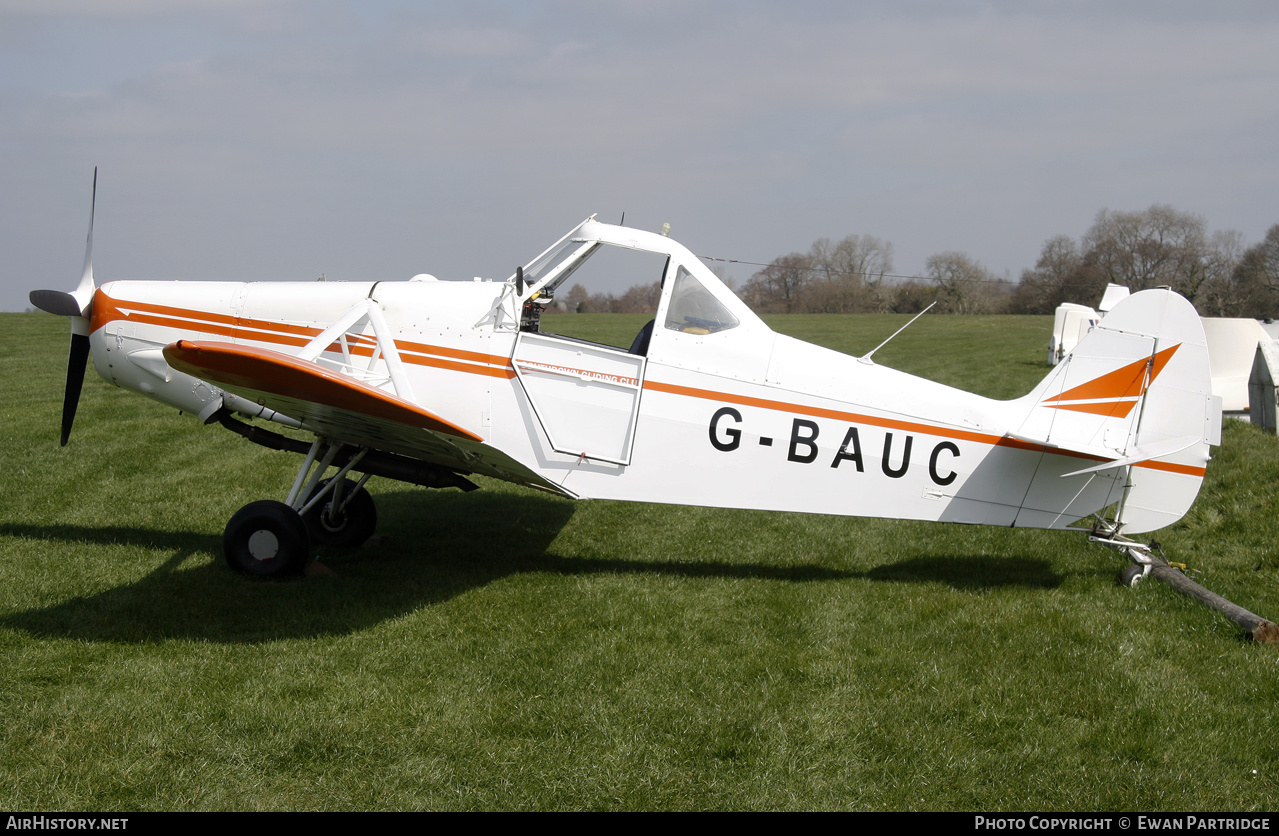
(866, 357)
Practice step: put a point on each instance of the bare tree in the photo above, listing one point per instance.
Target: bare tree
(577, 300)
(848, 274)
(1158, 247)
(640, 298)
(964, 286)
(1255, 279)
(1219, 295)
(1060, 275)
(778, 287)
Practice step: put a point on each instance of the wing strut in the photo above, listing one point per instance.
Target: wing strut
(340, 333)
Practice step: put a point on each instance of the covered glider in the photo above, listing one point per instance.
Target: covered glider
(430, 382)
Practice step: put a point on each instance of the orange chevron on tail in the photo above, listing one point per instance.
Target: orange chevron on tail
(1116, 393)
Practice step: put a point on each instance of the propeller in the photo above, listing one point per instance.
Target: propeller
(76, 362)
(76, 305)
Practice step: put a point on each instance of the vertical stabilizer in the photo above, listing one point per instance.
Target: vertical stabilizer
(1133, 403)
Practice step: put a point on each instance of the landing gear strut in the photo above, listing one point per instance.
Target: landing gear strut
(1142, 555)
(271, 539)
(345, 517)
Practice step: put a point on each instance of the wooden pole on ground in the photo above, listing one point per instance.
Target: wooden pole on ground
(1259, 628)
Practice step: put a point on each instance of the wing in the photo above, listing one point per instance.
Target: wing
(343, 409)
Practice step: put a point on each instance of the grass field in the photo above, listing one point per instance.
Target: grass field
(506, 650)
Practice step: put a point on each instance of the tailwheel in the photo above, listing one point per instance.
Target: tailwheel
(345, 516)
(1142, 555)
(266, 539)
(1132, 575)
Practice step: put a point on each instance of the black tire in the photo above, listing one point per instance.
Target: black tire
(266, 539)
(356, 524)
(1132, 575)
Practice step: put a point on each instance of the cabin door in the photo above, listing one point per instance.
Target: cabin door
(585, 395)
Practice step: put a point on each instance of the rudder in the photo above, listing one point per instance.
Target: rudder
(1133, 405)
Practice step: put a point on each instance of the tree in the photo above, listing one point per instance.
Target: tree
(844, 276)
(1060, 275)
(778, 287)
(577, 300)
(1219, 295)
(911, 296)
(848, 274)
(1255, 279)
(640, 298)
(1158, 247)
(963, 285)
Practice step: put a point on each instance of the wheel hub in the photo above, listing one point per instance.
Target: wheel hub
(333, 521)
(263, 544)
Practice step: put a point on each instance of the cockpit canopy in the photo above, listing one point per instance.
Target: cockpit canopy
(693, 299)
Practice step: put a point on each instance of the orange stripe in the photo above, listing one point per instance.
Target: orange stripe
(1188, 469)
(907, 426)
(453, 366)
(106, 310)
(839, 415)
(455, 353)
(581, 374)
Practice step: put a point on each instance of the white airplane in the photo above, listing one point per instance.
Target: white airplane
(431, 381)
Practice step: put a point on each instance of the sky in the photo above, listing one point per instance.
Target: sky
(256, 140)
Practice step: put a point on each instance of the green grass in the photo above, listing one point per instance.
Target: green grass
(507, 650)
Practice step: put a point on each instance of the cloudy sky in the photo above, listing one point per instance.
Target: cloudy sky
(282, 139)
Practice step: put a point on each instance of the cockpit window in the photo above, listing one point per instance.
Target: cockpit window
(694, 310)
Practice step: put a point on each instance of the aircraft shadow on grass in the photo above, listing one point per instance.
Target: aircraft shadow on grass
(433, 551)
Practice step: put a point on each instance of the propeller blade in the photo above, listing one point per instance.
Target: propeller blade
(76, 362)
(79, 301)
(57, 302)
(84, 292)
(76, 306)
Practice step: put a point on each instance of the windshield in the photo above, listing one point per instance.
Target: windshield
(694, 310)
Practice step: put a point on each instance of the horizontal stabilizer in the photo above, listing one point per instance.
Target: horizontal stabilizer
(1143, 454)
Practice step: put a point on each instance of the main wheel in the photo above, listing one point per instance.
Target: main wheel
(1132, 575)
(348, 528)
(266, 539)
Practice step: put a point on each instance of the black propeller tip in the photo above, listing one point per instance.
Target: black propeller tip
(76, 362)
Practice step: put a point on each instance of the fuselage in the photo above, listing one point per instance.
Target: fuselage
(716, 409)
